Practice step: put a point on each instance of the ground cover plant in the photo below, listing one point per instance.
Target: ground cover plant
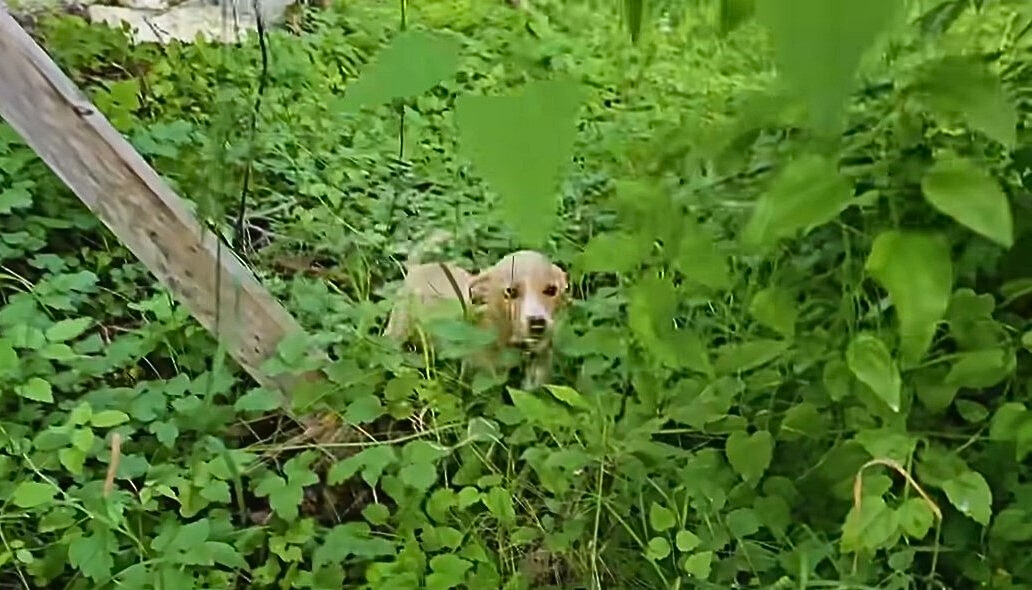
(796, 355)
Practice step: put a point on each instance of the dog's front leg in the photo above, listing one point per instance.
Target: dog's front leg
(539, 370)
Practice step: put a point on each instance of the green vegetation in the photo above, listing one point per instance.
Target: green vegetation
(796, 355)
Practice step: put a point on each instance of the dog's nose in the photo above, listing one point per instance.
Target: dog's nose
(536, 325)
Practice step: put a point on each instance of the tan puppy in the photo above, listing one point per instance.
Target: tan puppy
(521, 295)
(433, 289)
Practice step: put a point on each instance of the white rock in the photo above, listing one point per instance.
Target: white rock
(186, 21)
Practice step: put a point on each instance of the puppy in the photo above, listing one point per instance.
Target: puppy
(429, 290)
(520, 296)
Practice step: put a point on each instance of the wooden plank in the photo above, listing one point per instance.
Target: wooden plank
(79, 144)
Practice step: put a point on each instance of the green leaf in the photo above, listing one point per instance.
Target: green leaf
(568, 395)
(14, 198)
(658, 548)
(917, 271)
(377, 514)
(352, 538)
(91, 554)
(870, 527)
(699, 564)
(743, 522)
(775, 308)
(871, 362)
(651, 311)
(916, 518)
(448, 571)
(499, 501)
(699, 259)
(963, 87)
(661, 518)
(818, 46)
(520, 145)
(8, 358)
(809, 192)
(365, 408)
(970, 494)
(418, 475)
(750, 455)
(108, 418)
(258, 400)
(686, 541)
(30, 494)
(371, 462)
(615, 252)
(980, 369)
(960, 189)
(66, 330)
(35, 389)
(414, 62)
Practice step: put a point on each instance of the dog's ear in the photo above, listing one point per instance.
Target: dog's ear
(560, 278)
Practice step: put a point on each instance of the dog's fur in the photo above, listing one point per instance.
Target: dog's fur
(517, 298)
(427, 290)
(521, 296)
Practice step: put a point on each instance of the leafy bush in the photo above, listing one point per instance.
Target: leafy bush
(796, 354)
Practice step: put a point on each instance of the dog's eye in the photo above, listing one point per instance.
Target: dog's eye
(550, 291)
(511, 293)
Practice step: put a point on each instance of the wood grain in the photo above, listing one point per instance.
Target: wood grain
(79, 144)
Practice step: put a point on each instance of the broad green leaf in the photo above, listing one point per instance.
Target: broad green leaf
(960, 189)
(258, 400)
(418, 475)
(14, 198)
(963, 87)
(8, 358)
(1013, 525)
(653, 304)
(91, 554)
(414, 62)
(818, 45)
(35, 389)
(699, 259)
(870, 527)
(807, 193)
(376, 514)
(30, 494)
(871, 362)
(916, 270)
(971, 411)
(658, 548)
(803, 419)
(738, 357)
(661, 518)
(916, 518)
(970, 494)
(699, 564)
(483, 430)
(980, 369)
(371, 462)
(108, 418)
(568, 395)
(66, 330)
(363, 409)
(448, 571)
(520, 145)
(499, 502)
(750, 455)
(352, 538)
(743, 522)
(686, 541)
(615, 252)
(775, 308)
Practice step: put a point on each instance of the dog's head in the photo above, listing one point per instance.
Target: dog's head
(523, 291)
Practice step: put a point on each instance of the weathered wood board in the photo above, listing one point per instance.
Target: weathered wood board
(79, 144)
